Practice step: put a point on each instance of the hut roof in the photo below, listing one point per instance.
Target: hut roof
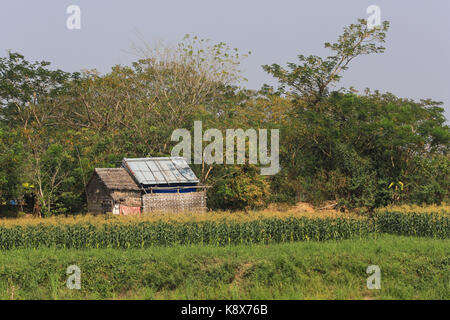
(117, 179)
(160, 170)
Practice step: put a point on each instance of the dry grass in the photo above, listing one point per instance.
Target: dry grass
(299, 210)
(178, 217)
(442, 209)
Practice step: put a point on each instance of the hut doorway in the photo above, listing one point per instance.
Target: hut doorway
(116, 208)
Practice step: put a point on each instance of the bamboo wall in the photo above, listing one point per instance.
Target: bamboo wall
(174, 202)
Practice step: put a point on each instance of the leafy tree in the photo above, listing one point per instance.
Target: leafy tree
(350, 147)
(24, 88)
(23, 83)
(311, 79)
(239, 188)
(12, 158)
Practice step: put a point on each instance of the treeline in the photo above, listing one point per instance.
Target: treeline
(356, 149)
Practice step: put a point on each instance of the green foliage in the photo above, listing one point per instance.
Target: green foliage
(239, 188)
(12, 156)
(413, 224)
(23, 83)
(358, 145)
(351, 147)
(310, 79)
(430, 182)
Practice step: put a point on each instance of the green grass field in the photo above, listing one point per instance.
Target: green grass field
(411, 268)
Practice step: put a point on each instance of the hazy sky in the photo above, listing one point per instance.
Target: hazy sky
(415, 65)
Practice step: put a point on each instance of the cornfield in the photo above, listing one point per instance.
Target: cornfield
(144, 234)
(414, 224)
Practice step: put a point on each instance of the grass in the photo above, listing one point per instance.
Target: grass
(411, 268)
(443, 209)
(175, 217)
(240, 216)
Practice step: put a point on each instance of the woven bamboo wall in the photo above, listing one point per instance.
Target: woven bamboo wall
(174, 202)
(127, 198)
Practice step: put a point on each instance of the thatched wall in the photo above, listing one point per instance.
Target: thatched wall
(174, 202)
(98, 196)
(103, 191)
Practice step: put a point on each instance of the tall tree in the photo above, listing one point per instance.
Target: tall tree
(310, 80)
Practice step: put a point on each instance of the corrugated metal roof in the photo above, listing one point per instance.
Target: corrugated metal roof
(153, 171)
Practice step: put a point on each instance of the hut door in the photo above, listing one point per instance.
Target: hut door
(116, 208)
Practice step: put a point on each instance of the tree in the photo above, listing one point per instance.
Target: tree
(27, 93)
(239, 188)
(12, 164)
(349, 147)
(23, 83)
(309, 81)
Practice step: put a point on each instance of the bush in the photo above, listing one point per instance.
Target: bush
(239, 188)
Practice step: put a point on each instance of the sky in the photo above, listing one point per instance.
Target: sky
(415, 65)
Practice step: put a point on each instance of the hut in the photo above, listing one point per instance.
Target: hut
(109, 188)
(168, 184)
(146, 185)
